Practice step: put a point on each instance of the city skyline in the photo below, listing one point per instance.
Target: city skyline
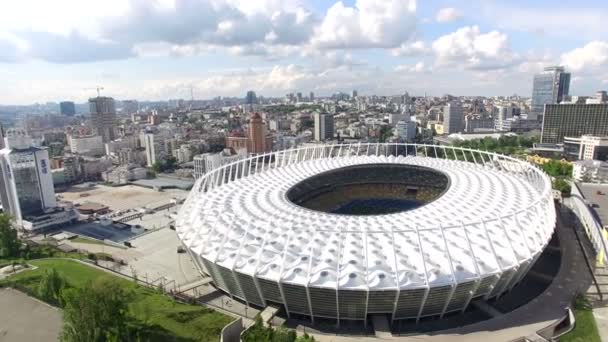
(164, 49)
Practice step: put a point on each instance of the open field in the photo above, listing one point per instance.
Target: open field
(164, 318)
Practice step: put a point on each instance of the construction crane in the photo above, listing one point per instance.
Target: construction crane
(98, 88)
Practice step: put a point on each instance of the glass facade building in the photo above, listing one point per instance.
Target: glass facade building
(27, 183)
(573, 120)
(549, 87)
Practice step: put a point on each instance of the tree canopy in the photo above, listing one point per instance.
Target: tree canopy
(95, 312)
(10, 247)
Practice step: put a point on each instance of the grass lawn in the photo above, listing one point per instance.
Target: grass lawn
(585, 329)
(164, 319)
(89, 241)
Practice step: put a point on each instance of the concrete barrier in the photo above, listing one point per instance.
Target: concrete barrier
(232, 331)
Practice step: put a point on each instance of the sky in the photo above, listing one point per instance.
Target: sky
(161, 49)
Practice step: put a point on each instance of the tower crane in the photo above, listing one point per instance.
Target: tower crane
(98, 88)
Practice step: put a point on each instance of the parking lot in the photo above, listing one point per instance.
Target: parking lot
(598, 201)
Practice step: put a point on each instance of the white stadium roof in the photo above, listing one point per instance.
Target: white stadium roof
(489, 219)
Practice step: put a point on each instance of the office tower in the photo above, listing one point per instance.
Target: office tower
(103, 117)
(251, 98)
(26, 187)
(257, 134)
(549, 87)
(452, 117)
(312, 96)
(324, 126)
(573, 120)
(299, 97)
(354, 94)
(67, 108)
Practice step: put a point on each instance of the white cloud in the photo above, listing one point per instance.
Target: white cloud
(369, 24)
(469, 48)
(587, 58)
(448, 14)
(415, 48)
(416, 68)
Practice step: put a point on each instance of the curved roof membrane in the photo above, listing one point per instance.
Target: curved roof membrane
(495, 214)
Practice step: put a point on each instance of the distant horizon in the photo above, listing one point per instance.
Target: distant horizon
(272, 97)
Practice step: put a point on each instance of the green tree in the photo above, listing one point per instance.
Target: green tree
(258, 332)
(563, 186)
(95, 312)
(305, 338)
(158, 167)
(50, 287)
(170, 163)
(9, 241)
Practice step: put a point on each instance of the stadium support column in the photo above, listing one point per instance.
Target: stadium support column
(478, 281)
(454, 282)
(426, 278)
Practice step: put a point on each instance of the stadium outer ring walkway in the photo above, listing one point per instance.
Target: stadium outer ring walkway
(221, 233)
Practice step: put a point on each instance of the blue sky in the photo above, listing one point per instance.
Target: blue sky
(159, 49)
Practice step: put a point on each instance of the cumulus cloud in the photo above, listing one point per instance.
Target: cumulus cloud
(416, 68)
(469, 48)
(415, 48)
(369, 24)
(587, 58)
(448, 14)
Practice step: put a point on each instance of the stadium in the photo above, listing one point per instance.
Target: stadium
(346, 231)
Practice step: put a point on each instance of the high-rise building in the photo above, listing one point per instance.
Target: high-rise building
(251, 98)
(452, 117)
(257, 134)
(26, 184)
(103, 117)
(549, 87)
(67, 108)
(573, 120)
(155, 148)
(299, 97)
(324, 126)
(312, 96)
(354, 94)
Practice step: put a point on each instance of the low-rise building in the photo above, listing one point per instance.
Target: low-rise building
(586, 147)
(87, 145)
(592, 171)
(208, 161)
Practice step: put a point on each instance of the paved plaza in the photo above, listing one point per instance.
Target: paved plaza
(121, 197)
(23, 318)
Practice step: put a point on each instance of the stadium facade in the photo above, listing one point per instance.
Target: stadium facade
(344, 231)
